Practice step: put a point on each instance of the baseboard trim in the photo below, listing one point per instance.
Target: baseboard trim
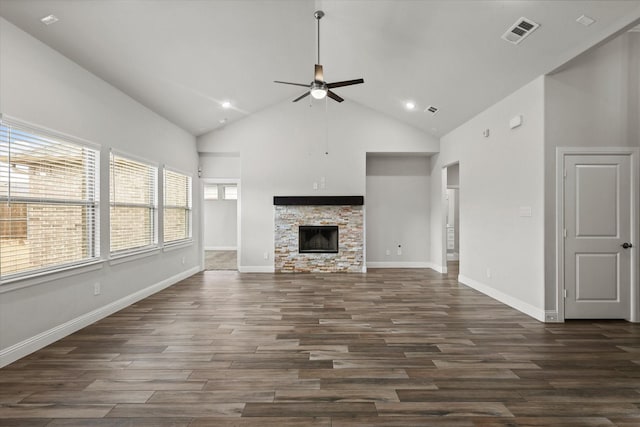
(404, 264)
(220, 248)
(524, 307)
(552, 316)
(439, 268)
(43, 339)
(256, 269)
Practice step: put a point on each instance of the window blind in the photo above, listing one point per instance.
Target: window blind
(177, 206)
(48, 201)
(133, 204)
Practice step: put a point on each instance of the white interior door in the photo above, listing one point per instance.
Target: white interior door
(597, 207)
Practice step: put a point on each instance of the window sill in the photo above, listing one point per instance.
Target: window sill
(132, 256)
(177, 245)
(16, 283)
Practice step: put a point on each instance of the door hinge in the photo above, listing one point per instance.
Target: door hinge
(565, 293)
(564, 173)
(564, 233)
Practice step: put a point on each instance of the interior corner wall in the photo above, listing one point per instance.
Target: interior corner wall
(501, 248)
(292, 148)
(397, 200)
(40, 86)
(591, 102)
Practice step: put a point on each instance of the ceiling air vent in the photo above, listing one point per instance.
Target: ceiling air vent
(520, 30)
(431, 109)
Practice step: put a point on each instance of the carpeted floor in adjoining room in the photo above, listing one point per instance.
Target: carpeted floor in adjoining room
(221, 260)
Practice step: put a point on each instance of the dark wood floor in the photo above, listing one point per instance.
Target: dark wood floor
(387, 348)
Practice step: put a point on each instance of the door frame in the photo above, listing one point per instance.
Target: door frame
(221, 181)
(561, 153)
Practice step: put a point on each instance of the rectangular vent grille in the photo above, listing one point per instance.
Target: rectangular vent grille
(520, 30)
(431, 109)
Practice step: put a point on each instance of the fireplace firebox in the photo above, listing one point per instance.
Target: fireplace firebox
(318, 239)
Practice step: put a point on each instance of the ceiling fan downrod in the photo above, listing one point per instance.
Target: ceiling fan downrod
(318, 14)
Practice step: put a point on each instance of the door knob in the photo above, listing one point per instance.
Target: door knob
(626, 245)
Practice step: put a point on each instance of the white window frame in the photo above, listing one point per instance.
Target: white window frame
(92, 201)
(153, 206)
(189, 238)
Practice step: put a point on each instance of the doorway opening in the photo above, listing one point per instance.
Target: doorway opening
(451, 218)
(220, 225)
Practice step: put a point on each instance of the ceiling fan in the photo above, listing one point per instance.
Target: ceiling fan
(318, 87)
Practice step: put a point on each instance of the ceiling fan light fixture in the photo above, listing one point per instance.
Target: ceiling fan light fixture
(318, 90)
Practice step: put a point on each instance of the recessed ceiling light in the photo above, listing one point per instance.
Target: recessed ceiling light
(409, 105)
(222, 121)
(50, 19)
(226, 104)
(585, 20)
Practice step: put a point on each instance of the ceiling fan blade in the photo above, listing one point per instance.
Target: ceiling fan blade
(301, 96)
(289, 83)
(345, 83)
(319, 74)
(333, 96)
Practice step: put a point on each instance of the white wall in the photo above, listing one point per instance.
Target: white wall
(40, 86)
(220, 224)
(498, 175)
(397, 203)
(453, 176)
(591, 102)
(220, 165)
(282, 153)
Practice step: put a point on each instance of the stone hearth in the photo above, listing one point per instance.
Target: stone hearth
(348, 218)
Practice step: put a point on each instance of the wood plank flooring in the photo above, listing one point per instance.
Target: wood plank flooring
(386, 348)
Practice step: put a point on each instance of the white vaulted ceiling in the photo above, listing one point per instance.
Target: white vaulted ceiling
(182, 58)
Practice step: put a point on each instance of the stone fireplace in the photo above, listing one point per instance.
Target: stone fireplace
(319, 234)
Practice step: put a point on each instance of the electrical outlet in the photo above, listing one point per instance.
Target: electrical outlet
(266, 255)
(388, 252)
(96, 288)
(488, 273)
(315, 185)
(399, 249)
(184, 260)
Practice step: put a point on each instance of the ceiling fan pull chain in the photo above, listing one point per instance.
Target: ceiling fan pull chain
(326, 119)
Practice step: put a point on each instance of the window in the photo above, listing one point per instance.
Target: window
(230, 192)
(133, 211)
(13, 221)
(48, 201)
(177, 206)
(211, 192)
